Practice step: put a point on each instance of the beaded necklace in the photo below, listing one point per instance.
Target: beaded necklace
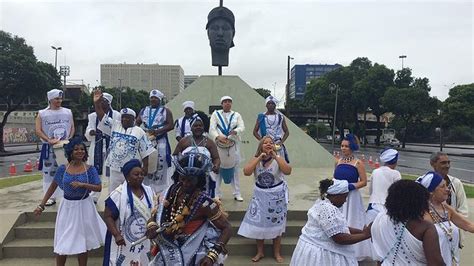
(347, 159)
(396, 247)
(448, 230)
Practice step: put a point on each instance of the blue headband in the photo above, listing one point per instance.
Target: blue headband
(69, 148)
(430, 180)
(128, 166)
(352, 142)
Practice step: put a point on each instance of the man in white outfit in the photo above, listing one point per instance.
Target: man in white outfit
(225, 129)
(100, 142)
(182, 126)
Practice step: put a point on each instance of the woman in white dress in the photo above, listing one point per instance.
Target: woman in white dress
(444, 217)
(79, 227)
(326, 238)
(266, 215)
(400, 236)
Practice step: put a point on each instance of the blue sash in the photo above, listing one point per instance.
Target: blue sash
(225, 128)
(262, 124)
(151, 118)
(44, 155)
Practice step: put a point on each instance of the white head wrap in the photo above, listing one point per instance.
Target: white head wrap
(128, 111)
(271, 99)
(338, 187)
(389, 156)
(54, 93)
(156, 93)
(187, 104)
(108, 97)
(430, 180)
(226, 98)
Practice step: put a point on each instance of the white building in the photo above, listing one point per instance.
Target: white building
(169, 79)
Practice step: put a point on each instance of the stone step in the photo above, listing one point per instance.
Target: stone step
(36, 230)
(50, 216)
(240, 246)
(36, 248)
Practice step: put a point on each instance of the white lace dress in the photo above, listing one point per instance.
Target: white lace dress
(315, 245)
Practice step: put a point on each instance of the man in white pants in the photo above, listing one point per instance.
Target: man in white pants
(226, 126)
(127, 141)
(100, 142)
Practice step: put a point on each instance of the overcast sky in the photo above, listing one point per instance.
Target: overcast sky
(436, 36)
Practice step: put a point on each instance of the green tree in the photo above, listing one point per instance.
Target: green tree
(403, 78)
(21, 76)
(263, 92)
(458, 108)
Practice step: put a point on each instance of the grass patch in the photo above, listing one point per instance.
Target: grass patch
(469, 189)
(13, 181)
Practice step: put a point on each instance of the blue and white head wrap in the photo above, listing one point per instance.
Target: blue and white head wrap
(353, 145)
(338, 187)
(389, 156)
(271, 99)
(128, 166)
(156, 93)
(108, 97)
(430, 180)
(54, 93)
(190, 168)
(128, 111)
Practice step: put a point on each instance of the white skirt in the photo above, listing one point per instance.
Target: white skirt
(354, 212)
(79, 227)
(308, 254)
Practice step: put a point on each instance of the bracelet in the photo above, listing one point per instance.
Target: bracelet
(211, 258)
(150, 224)
(40, 207)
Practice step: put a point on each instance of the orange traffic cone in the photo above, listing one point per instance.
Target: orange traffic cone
(377, 164)
(28, 167)
(12, 169)
(37, 164)
(370, 160)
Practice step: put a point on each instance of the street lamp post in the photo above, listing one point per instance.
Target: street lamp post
(440, 131)
(56, 57)
(333, 87)
(120, 94)
(402, 57)
(288, 85)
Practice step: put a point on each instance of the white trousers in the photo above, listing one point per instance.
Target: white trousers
(116, 179)
(235, 183)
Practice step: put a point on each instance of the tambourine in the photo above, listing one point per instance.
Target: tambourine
(229, 143)
(58, 150)
(277, 147)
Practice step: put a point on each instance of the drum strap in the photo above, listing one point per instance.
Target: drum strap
(225, 128)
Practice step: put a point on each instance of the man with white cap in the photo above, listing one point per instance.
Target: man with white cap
(182, 125)
(53, 124)
(381, 179)
(272, 123)
(127, 141)
(100, 142)
(157, 121)
(225, 129)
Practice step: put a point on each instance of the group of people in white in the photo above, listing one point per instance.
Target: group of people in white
(406, 222)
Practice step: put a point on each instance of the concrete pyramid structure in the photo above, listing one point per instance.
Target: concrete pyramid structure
(206, 91)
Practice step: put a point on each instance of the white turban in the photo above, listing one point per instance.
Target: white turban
(226, 98)
(271, 99)
(338, 187)
(108, 97)
(389, 156)
(430, 180)
(156, 93)
(54, 93)
(128, 111)
(187, 104)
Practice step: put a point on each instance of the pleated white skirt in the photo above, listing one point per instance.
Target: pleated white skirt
(308, 254)
(79, 227)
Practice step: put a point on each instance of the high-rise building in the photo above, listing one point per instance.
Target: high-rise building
(301, 75)
(169, 79)
(188, 79)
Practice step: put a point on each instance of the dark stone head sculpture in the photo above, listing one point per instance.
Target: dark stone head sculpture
(220, 31)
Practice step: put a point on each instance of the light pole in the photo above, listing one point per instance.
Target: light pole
(288, 86)
(402, 57)
(56, 57)
(440, 131)
(334, 87)
(120, 94)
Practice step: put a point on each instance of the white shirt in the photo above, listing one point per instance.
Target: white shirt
(381, 179)
(236, 124)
